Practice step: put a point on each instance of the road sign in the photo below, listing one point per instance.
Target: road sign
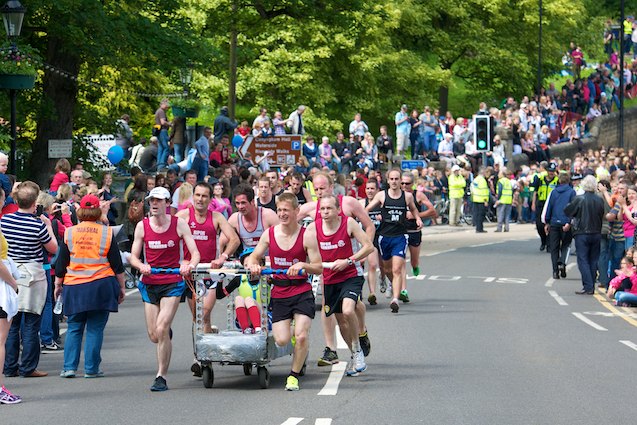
(412, 164)
(60, 148)
(284, 150)
(102, 143)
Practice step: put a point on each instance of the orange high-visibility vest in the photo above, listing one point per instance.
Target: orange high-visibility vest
(88, 243)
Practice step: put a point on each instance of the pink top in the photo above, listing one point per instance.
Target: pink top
(629, 227)
(58, 179)
(224, 208)
(617, 281)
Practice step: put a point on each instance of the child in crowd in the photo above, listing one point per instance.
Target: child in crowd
(623, 287)
(61, 176)
(5, 183)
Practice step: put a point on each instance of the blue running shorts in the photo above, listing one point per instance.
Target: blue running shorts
(392, 246)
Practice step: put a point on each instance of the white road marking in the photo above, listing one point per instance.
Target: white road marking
(132, 291)
(292, 421)
(331, 386)
(589, 322)
(482, 244)
(557, 298)
(629, 344)
(431, 254)
(323, 421)
(571, 266)
(610, 314)
(340, 342)
(549, 283)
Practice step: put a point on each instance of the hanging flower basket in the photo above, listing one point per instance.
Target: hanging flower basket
(185, 112)
(16, 81)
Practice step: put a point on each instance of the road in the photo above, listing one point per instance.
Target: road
(488, 338)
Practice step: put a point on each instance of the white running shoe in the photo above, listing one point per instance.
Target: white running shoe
(351, 369)
(358, 358)
(388, 292)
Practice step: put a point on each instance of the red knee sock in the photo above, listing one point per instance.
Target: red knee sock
(242, 317)
(255, 316)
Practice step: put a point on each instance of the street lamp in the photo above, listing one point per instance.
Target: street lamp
(12, 16)
(185, 74)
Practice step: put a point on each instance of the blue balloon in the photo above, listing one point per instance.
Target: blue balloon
(115, 154)
(237, 141)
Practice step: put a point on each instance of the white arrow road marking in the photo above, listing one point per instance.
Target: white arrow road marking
(557, 298)
(340, 342)
(589, 322)
(629, 344)
(292, 421)
(331, 386)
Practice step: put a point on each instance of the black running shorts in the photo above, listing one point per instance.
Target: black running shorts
(415, 238)
(286, 308)
(152, 294)
(333, 294)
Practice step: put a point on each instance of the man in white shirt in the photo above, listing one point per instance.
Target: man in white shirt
(358, 127)
(445, 150)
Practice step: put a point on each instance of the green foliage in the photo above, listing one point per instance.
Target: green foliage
(15, 60)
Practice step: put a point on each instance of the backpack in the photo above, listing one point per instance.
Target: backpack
(136, 211)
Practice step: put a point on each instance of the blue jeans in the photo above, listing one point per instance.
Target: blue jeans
(604, 260)
(162, 149)
(46, 325)
(628, 242)
(616, 252)
(24, 328)
(626, 297)
(178, 152)
(201, 167)
(95, 322)
(587, 246)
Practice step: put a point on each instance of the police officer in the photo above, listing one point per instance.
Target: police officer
(480, 199)
(543, 184)
(504, 193)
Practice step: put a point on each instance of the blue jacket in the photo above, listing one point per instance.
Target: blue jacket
(558, 199)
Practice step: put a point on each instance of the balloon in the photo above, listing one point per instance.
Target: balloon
(237, 141)
(115, 154)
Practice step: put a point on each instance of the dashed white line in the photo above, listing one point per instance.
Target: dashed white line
(482, 244)
(292, 421)
(331, 386)
(557, 298)
(340, 342)
(132, 291)
(589, 322)
(549, 283)
(323, 421)
(431, 254)
(629, 344)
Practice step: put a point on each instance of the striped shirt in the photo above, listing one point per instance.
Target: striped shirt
(25, 235)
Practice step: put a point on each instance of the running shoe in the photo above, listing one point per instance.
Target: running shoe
(404, 296)
(99, 374)
(371, 299)
(351, 369)
(329, 358)
(415, 271)
(7, 398)
(365, 343)
(67, 374)
(389, 291)
(383, 284)
(292, 384)
(53, 347)
(394, 306)
(359, 361)
(196, 369)
(159, 384)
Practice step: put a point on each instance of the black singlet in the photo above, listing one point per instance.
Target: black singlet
(270, 205)
(393, 212)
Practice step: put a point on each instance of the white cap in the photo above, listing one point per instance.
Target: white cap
(159, 193)
(455, 168)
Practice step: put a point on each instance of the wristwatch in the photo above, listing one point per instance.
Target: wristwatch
(350, 262)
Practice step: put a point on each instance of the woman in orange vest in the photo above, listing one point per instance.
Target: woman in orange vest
(90, 268)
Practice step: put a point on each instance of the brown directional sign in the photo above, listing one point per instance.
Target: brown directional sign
(284, 150)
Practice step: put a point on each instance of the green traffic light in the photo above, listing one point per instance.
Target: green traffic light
(482, 144)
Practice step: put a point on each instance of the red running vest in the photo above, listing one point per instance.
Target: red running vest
(337, 246)
(205, 237)
(281, 259)
(162, 250)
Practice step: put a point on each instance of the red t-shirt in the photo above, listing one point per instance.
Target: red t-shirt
(282, 259)
(162, 250)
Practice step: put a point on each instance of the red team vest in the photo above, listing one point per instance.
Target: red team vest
(336, 247)
(281, 259)
(162, 250)
(205, 237)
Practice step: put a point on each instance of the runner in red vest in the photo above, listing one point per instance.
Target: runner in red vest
(343, 283)
(160, 235)
(293, 248)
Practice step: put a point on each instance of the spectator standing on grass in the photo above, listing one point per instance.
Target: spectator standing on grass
(402, 130)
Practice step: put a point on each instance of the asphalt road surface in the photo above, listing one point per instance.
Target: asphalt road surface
(488, 338)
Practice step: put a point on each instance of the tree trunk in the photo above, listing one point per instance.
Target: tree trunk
(443, 99)
(55, 117)
(232, 72)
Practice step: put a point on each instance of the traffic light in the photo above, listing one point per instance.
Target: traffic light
(482, 133)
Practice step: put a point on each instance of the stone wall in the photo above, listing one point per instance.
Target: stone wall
(604, 131)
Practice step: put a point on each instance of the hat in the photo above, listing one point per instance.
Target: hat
(253, 171)
(448, 135)
(603, 94)
(404, 106)
(86, 175)
(90, 201)
(522, 105)
(551, 167)
(455, 168)
(159, 193)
